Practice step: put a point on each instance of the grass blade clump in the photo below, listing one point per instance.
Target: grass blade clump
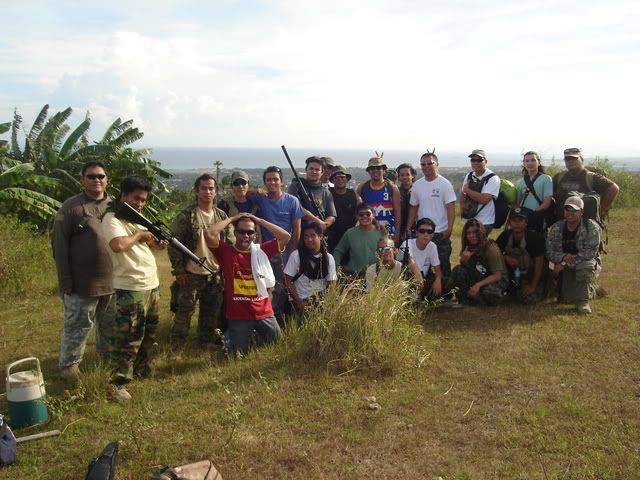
(351, 330)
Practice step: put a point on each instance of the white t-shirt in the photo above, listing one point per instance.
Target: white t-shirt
(305, 286)
(432, 198)
(424, 259)
(487, 215)
(134, 269)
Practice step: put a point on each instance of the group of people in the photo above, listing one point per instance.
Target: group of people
(268, 255)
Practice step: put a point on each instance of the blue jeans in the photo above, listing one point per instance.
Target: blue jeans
(240, 332)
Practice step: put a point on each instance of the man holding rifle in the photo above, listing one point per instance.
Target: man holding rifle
(193, 283)
(135, 278)
(323, 210)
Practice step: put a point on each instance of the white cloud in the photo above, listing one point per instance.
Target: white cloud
(380, 74)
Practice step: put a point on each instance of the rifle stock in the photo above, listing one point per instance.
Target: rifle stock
(130, 214)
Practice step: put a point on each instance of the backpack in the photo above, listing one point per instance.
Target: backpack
(501, 203)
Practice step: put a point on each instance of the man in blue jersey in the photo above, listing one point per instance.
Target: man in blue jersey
(383, 196)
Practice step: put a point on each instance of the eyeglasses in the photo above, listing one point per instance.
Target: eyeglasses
(239, 183)
(245, 232)
(364, 214)
(386, 248)
(427, 164)
(96, 176)
(427, 231)
(477, 160)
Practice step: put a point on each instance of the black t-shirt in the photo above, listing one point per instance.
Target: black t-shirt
(569, 241)
(535, 246)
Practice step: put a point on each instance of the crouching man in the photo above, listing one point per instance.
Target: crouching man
(248, 280)
(135, 279)
(573, 246)
(523, 251)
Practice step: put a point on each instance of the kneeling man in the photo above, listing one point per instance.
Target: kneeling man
(248, 279)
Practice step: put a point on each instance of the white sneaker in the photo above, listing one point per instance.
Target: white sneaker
(118, 394)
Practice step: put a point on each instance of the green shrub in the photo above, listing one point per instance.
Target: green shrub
(350, 330)
(628, 182)
(26, 264)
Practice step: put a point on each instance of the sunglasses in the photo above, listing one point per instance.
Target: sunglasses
(428, 231)
(427, 164)
(477, 160)
(245, 232)
(364, 214)
(386, 248)
(238, 183)
(96, 176)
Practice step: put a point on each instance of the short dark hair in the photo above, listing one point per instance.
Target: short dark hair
(364, 206)
(314, 159)
(430, 154)
(204, 176)
(425, 221)
(133, 183)
(89, 165)
(311, 226)
(243, 219)
(406, 165)
(270, 169)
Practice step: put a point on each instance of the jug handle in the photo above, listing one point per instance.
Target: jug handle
(24, 360)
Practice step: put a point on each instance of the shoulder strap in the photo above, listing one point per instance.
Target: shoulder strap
(589, 180)
(531, 188)
(484, 182)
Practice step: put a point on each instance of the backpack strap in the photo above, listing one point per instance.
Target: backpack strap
(484, 181)
(530, 187)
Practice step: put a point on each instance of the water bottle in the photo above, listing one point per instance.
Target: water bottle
(516, 277)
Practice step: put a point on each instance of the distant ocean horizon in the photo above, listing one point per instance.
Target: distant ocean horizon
(185, 158)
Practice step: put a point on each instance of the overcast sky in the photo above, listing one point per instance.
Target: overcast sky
(377, 74)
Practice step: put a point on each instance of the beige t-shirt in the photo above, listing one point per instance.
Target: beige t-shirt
(205, 220)
(386, 276)
(134, 269)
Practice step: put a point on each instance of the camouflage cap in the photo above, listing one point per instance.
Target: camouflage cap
(573, 153)
(574, 203)
(376, 162)
(239, 175)
(340, 169)
(478, 153)
(328, 161)
(391, 175)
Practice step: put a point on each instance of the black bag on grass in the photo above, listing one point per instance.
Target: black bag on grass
(103, 467)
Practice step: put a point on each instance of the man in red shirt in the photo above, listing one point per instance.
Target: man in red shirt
(248, 280)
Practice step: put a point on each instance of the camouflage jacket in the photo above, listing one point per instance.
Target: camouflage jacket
(587, 242)
(187, 231)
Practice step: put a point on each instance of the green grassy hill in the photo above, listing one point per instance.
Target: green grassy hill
(514, 392)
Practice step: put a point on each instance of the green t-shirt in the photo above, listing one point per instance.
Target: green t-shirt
(361, 248)
(492, 259)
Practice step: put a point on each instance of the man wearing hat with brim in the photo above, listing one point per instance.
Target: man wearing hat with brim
(480, 188)
(577, 178)
(345, 200)
(573, 245)
(383, 196)
(329, 165)
(523, 251)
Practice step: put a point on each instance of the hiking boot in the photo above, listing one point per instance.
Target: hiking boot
(118, 393)
(144, 372)
(583, 308)
(71, 373)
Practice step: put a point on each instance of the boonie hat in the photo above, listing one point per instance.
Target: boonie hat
(519, 212)
(376, 162)
(478, 153)
(239, 174)
(328, 161)
(339, 169)
(391, 175)
(574, 203)
(573, 153)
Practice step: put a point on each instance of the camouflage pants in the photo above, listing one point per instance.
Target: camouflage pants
(465, 277)
(579, 284)
(80, 313)
(134, 333)
(208, 292)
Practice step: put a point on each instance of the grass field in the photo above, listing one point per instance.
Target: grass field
(513, 392)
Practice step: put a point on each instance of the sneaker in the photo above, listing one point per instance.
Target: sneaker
(71, 373)
(118, 394)
(583, 308)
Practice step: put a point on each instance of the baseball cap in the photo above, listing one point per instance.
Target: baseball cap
(574, 203)
(478, 153)
(239, 174)
(519, 212)
(573, 153)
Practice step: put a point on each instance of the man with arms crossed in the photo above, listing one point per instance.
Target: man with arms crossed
(135, 278)
(248, 279)
(433, 197)
(84, 270)
(194, 283)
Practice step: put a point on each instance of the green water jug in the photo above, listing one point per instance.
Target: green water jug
(25, 395)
